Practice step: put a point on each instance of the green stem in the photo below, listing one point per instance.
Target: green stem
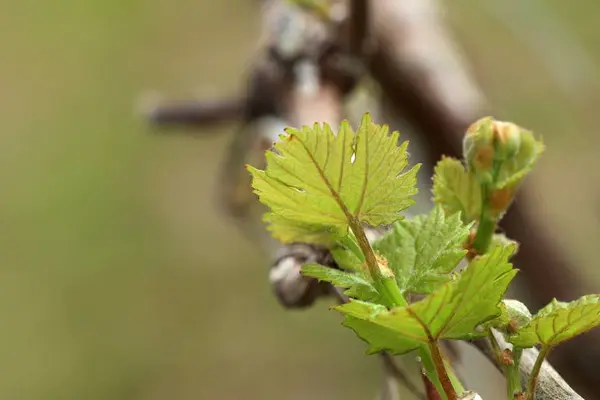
(511, 371)
(430, 370)
(535, 372)
(487, 223)
(440, 369)
(385, 284)
(458, 386)
(393, 291)
(350, 242)
(495, 346)
(485, 231)
(513, 375)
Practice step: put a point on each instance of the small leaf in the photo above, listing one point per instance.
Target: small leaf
(514, 169)
(358, 285)
(454, 311)
(315, 182)
(379, 338)
(424, 250)
(558, 322)
(456, 190)
(517, 312)
(346, 259)
(499, 239)
(514, 315)
(490, 144)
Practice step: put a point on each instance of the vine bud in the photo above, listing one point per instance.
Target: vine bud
(507, 139)
(478, 148)
(518, 314)
(384, 269)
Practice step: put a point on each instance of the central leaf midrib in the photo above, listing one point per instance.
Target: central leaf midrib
(334, 194)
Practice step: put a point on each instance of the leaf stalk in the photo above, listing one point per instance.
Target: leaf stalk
(535, 372)
(440, 369)
(385, 285)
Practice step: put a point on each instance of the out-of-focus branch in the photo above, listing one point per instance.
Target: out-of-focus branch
(420, 72)
(193, 113)
(358, 25)
(551, 386)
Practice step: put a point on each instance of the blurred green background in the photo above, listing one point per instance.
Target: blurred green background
(120, 280)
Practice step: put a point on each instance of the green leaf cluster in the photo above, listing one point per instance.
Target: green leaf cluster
(325, 188)
(423, 251)
(454, 311)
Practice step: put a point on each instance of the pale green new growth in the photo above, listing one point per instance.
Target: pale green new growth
(499, 239)
(325, 188)
(514, 169)
(358, 284)
(517, 312)
(346, 259)
(379, 338)
(454, 311)
(316, 182)
(423, 251)
(558, 322)
(456, 189)
(513, 315)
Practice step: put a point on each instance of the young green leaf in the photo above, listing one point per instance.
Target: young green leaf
(358, 284)
(380, 338)
(346, 259)
(316, 183)
(454, 311)
(514, 315)
(422, 251)
(499, 239)
(558, 322)
(515, 168)
(456, 189)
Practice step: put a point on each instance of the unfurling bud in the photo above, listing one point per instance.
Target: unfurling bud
(384, 269)
(488, 141)
(518, 314)
(507, 138)
(506, 357)
(478, 148)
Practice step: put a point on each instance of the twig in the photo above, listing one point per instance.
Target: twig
(535, 372)
(198, 112)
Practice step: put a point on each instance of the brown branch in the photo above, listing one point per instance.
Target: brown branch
(193, 113)
(358, 25)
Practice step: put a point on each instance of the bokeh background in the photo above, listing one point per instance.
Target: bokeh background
(120, 280)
